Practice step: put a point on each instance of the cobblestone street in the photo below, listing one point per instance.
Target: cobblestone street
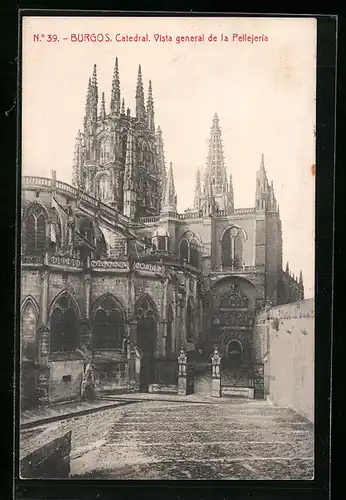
(190, 440)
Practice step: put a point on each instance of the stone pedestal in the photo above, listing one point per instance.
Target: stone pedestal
(182, 383)
(215, 374)
(216, 388)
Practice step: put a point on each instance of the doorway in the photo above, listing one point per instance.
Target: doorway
(234, 354)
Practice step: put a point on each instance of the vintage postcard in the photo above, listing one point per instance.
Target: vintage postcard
(167, 248)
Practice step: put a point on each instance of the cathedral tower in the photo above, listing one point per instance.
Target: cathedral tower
(118, 159)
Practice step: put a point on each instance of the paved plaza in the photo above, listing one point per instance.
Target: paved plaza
(165, 440)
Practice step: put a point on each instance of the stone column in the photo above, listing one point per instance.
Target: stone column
(174, 325)
(215, 374)
(182, 373)
(87, 295)
(162, 349)
(44, 298)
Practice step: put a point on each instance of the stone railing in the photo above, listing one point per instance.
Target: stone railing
(109, 264)
(154, 268)
(63, 187)
(54, 260)
(149, 219)
(235, 270)
(241, 211)
(190, 215)
(37, 260)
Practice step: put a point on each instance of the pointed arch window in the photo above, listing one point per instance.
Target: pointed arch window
(184, 250)
(232, 248)
(189, 250)
(105, 151)
(86, 229)
(104, 188)
(29, 320)
(108, 326)
(146, 326)
(36, 224)
(64, 325)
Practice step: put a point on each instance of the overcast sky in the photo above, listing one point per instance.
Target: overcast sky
(263, 92)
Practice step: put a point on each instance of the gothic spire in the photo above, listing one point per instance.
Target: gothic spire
(215, 162)
(88, 102)
(150, 109)
(129, 161)
(123, 107)
(94, 95)
(215, 172)
(287, 268)
(161, 162)
(115, 94)
(103, 107)
(209, 197)
(170, 197)
(140, 106)
(300, 277)
(129, 177)
(262, 188)
(78, 159)
(198, 193)
(231, 194)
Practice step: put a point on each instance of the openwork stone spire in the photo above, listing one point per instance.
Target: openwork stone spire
(115, 94)
(103, 107)
(170, 197)
(162, 174)
(215, 164)
(94, 95)
(140, 106)
(150, 109)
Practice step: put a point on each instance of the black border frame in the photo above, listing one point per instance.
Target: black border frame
(319, 488)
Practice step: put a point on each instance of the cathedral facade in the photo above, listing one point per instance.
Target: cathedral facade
(113, 277)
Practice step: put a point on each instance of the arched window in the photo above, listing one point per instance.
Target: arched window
(169, 338)
(108, 326)
(161, 243)
(146, 326)
(64, 326)
(36, 230)
(86, 229)
(105, 151)
(232, 248)
(104, 189)
(184, 250)
(190, 249)
(189, 322)
(194, 254)
(28, 332)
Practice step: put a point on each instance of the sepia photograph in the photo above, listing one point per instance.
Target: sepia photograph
(167, 262)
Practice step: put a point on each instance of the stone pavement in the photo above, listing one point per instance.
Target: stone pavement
(162, 439)
(51, 413)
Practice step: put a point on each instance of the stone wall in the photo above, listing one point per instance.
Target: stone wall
(50, 461)
(284, 339)
(65, 380)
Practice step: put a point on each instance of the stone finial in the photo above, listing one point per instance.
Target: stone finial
(216, 356)
(182, 357)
